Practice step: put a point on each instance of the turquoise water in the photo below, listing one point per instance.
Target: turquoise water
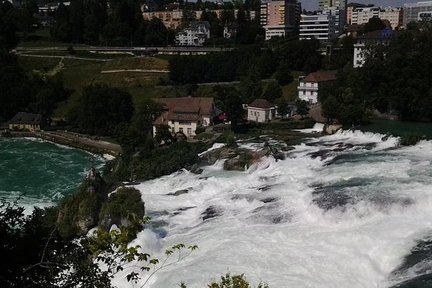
(400, 128)
(41, 172)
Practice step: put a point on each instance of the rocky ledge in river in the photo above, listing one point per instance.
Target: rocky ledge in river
(240, 159)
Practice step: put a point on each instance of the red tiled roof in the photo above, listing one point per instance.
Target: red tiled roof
(261, 103)
(321, 76)
(184, 109)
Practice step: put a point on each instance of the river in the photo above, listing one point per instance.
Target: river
(41, 172)
(348, 210)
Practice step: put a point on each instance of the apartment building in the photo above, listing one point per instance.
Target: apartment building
(279, 17)
(325, 4)
(323, 26)
(362, 15)
(416, 11)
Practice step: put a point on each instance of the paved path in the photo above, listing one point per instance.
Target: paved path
(135, 70)
(83, 140)
(64, 57)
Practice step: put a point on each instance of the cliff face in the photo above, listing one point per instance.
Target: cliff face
(79, 213)
(91, 207)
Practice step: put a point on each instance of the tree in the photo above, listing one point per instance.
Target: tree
(282, 107)
(156, 33)
(250, 86)
(101, 109)
(272, 91)
(283, 74)
(373, 24)
(39, 257)
(8, 38)
(234, 109)
(302, 108)
(163, 135)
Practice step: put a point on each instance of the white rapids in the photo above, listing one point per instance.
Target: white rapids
(341, 211)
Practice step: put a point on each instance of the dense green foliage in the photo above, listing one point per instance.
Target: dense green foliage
(119, 205)
(109, 23)
(20, 92)
(37, 256)
(234, 281)
(80, 211)
(14, 19)
(165, 160)
(101, 110)
(285, 57)
(395, 79)
(300, 55)
(221, 67)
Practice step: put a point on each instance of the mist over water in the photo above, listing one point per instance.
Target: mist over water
(347, 210)
(41, 172)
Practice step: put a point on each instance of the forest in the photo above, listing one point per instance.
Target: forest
(395, 80)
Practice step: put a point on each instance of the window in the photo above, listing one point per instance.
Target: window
(181, 129)
(189, 131)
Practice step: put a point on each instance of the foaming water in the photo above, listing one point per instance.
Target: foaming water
(345, 210)
(40, 173)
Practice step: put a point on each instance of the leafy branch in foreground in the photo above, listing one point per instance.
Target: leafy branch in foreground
(113, 250)
(231, 281)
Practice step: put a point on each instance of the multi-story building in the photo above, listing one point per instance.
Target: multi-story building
(172, 19)
(325, 4)
(323, 26)
(309, 86)
(393, 15)
(185, 114)
(416, 11)
(195, 35)
(279, 17)
(351, 7)
(362, 15)
(365, 44)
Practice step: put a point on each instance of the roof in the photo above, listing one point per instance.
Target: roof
(26, 118)
(261, 103)
(184, 109)
(321, 76)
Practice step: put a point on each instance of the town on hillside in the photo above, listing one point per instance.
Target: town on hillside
(203, 67)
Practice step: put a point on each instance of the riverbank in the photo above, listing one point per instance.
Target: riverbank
(74, 140)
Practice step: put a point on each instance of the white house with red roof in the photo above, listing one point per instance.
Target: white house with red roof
(308, 89)
(185, 114)
(261, 110)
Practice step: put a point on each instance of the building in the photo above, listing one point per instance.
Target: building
(195, 35)
(261, 110)
(393, 15)
(321, 26)
(415, 11)
(365, 44)
(172, 18)
(308, 89)
(279, 18)
(362, 15)
(185, 114)
(325, 4)
(26, 121)
(351, 7)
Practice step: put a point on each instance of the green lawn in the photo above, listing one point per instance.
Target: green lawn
(77, 74)
(289, 91)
